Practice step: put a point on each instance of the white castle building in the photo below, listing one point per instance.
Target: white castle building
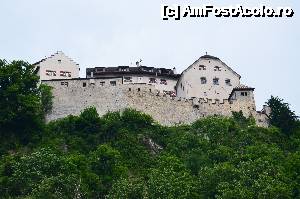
(207, 87)
(57, 66)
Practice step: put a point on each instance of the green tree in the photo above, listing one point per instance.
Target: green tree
(242, 120)
(41, 174)
(20, 105)
(46, 98)
(281, 115)
(128, 188)
(106, 162)
(170, 180)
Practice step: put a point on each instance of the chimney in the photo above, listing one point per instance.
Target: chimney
(174, 70)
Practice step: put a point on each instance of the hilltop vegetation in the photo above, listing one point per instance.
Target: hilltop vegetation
(128, 155)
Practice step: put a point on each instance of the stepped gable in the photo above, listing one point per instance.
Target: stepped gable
(53, 55)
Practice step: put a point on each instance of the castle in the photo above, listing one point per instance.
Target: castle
(206, 87)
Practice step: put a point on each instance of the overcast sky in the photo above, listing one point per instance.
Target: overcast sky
(264, 51)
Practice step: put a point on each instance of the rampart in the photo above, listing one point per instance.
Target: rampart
(73, 97)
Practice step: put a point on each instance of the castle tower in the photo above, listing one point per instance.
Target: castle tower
(207, 77)
(243, 99)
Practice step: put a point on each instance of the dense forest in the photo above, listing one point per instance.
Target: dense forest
(129, 155)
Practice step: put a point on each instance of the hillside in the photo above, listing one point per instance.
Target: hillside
(128, 156)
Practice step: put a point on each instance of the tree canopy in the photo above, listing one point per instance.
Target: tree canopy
(282, 116)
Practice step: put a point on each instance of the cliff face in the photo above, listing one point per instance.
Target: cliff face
(72, 98)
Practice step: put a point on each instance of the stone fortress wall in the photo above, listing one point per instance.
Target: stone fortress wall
(71, 97)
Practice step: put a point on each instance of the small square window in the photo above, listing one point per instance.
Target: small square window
(102, 83)
(217, 68)
(84, 84)
(216, 81)
(227, 82)
(203, 80)
(59, 61)
(113, 83)
(127, 79)
(64, 83)
(152, 80)
(163, 81)
(244, 94)
(202, 67)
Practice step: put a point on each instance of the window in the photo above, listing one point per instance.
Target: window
(123, 69)
(100, 69)
(244, 93)
(113, 83)
(127, 79)
(65, 74)
(152, 80)
(203, 80)
(50, 73)
(202, 67)
(64, 83)
(129, 89)
(102, 83)
(227, 82)
(84, 84)
(59, 61)
(163, 81)
(216, 81)
(217, 68)
(139, 89)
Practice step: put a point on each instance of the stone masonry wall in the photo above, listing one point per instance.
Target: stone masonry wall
(72, 98)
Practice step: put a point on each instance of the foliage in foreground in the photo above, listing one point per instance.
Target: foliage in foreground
(88, 156)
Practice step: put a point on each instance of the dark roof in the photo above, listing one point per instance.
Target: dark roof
(242, 87)
(126, 70)
(209, 57)
(79, 78)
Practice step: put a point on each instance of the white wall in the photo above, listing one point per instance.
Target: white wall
(169, 86)
(191, 81)
(52, 68)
